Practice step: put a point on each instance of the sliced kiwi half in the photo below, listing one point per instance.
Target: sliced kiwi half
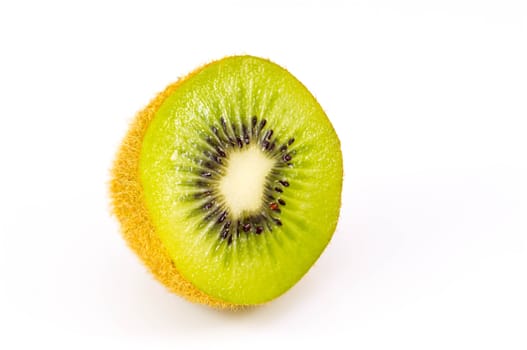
(228, 183)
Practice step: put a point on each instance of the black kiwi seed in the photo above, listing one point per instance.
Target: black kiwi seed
(225, 230)
(210, 169)
(222, 217)
(220, 152)
(246, 138)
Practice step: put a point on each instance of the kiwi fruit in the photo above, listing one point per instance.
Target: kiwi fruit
(228, 184)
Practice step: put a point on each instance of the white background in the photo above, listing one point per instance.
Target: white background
(429, 99)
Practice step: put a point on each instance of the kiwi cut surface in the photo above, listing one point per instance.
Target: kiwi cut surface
(228, 184)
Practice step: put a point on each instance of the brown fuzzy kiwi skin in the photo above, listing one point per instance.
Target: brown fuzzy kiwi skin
(128, 206)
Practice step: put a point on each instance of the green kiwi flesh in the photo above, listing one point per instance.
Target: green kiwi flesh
(242, 174)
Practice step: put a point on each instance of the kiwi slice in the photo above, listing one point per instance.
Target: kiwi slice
(228, 183)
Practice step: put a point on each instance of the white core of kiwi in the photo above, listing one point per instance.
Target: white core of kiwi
(242, 186)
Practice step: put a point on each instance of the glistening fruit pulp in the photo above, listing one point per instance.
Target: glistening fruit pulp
(242, 173)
